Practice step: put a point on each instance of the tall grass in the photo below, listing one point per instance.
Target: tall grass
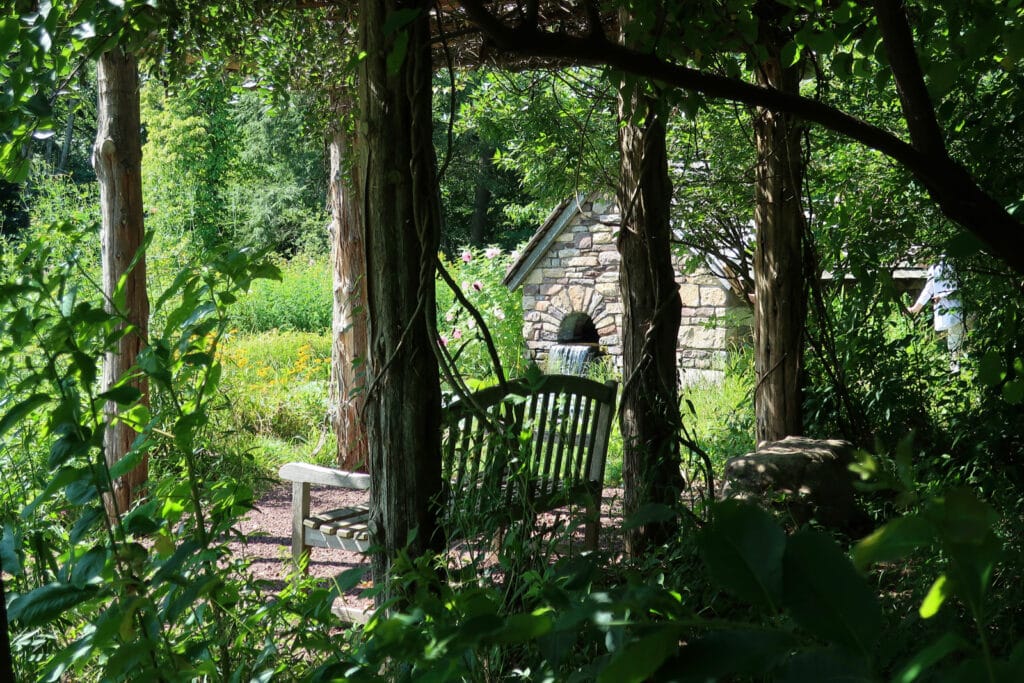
(300, 301)
(720, 416)
(276, 387)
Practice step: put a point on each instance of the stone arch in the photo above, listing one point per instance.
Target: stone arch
(578, 328)
(576, 300)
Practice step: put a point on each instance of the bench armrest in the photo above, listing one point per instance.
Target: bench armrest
(304, 473)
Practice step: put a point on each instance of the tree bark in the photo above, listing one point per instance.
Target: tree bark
(649, 415)
(481, 198)
(349, 344)
(780, 309)
(117, 159)
(6, 661)
(402, 218)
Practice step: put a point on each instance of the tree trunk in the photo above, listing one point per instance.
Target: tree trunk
(780, 309)
(651, 313)
(402, 218)
(348, 349)
(481, 198)
(117, 159)
(6, 661)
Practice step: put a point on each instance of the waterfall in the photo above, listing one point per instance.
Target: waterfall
(569, 359)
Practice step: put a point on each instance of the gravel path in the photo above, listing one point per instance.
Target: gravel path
(268, 530)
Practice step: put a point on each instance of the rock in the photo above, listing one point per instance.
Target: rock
(811, 476)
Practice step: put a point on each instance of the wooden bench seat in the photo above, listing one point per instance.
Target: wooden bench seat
(507, 455)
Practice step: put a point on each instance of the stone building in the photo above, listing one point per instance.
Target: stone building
(569, 275)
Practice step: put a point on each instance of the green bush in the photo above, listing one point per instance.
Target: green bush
(478, 274)
(301, 301)
(152, 593)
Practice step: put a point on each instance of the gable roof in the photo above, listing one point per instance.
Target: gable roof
(548, 232)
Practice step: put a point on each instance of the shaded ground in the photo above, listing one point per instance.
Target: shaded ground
(268, 530)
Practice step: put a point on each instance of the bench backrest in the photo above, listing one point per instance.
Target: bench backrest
(510, 453)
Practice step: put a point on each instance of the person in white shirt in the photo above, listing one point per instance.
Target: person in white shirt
(940, 289)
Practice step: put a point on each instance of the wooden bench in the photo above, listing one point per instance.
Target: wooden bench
(507, 456)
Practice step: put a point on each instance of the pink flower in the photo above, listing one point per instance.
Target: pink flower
(478, 286)
(467, 256)
(450, 317)
(498, 313)
(443, 339)
(456, 333)
(492, 252)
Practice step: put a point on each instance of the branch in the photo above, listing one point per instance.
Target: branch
(952, 188)
(918, 111)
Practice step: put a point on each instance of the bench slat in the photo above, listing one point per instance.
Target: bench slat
(568, 420)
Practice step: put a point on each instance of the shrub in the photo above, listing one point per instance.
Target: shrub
(152, 593)
(478, 274)
(300, 301)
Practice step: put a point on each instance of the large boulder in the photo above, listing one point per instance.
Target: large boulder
(810, 478)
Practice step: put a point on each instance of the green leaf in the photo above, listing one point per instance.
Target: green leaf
(941, 77)
(88, 567)
(937, 595)
(894, 541)
(124, 395)
(648, 513)
(524, 628)
(827, 596)
(743, 548)
(10, 561)
(962, 245)
(1013, 391)
(81, 491)
(399, 19)
(947, 644)
(821, 41)
(728, 654)
(9, 30)
(397, 54)
(640, 659)
(961, 517)
(790, 54)
(349, 579)
(990, 368)
(824, 666)
(86, 521)
(19, 411)
(69, 446)
(62, 478)
(47, 603)
(842, 64)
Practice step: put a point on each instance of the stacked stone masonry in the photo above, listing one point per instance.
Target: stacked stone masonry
(580, 273)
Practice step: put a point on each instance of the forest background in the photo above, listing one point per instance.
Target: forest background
(230, 162)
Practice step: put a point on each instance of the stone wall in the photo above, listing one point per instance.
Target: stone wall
(580, 273)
